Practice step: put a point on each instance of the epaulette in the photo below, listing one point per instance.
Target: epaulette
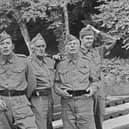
(21, 55)
(86, 58)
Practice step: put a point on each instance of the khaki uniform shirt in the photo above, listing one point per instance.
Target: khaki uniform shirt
(75, 74)
(16, 74)
(94, 55)
(43, 70)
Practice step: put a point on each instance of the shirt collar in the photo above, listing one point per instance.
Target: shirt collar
(10, 60)
(73, 59)
(39, 61)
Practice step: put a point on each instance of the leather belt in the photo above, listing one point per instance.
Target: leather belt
(77, 92)
(41, 92)
(12, 92)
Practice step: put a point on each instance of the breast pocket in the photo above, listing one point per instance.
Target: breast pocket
(22, 112)
(83, 73)
(18, 74)
(65, 75)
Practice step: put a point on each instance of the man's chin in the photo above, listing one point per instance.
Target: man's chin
(74, 52)
(6, 54)
(88, 45)
(40, 55)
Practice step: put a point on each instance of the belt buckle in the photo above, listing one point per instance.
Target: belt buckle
(37, 93)
(8, 92)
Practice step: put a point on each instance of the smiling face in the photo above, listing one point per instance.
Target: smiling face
(87, 41)
(39, 48)
(6, 47)
(72, 47)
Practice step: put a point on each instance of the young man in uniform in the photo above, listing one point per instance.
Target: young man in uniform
(74, 87)
(88, 37)
(17, 83)
(43, 68)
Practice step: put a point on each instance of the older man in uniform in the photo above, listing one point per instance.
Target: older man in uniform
(16, 85)
(88, 37)
(74, 87)
(43, 68)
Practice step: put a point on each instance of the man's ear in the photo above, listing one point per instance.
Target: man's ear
(13, 46)
(32, 48)
(45, 46)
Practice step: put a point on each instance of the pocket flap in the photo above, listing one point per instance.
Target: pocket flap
(84, 69)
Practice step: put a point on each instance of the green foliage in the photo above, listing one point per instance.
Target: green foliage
(29, 10)
(114, 17)
(13, 12)
(23, 10)
(26, 10)
(117, 67)
(57, 20)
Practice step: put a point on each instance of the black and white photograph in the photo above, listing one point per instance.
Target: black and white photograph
(64, 64)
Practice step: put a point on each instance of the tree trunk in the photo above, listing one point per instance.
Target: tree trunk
(65, 30)
(25, 34)
(66, 18)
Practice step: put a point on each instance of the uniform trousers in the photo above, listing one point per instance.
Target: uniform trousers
(40, 109)
(18, 114)
(77, 113)
(99, 111)
(99, 107)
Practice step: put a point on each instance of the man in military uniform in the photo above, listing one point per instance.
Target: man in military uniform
(91, 47)
(88, 37)
(43, 68)
(17, 82)
(74, 87)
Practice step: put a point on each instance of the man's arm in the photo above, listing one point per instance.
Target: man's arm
(31, 79)
(94, 80)
(107, 40)
(58, 87)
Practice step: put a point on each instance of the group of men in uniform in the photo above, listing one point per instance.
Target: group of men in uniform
(27, 84)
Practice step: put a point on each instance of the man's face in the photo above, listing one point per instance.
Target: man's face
(6, 47)
(72, 47)
(87, 41)
(39, 48)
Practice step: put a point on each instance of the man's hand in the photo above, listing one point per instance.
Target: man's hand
(57, 57)
(66, 94)
(90, 90)
(3, 106)
(93, 28)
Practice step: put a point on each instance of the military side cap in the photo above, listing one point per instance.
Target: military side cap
(86, 31)
(70, 38)
(36, 38)
(4, 35)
